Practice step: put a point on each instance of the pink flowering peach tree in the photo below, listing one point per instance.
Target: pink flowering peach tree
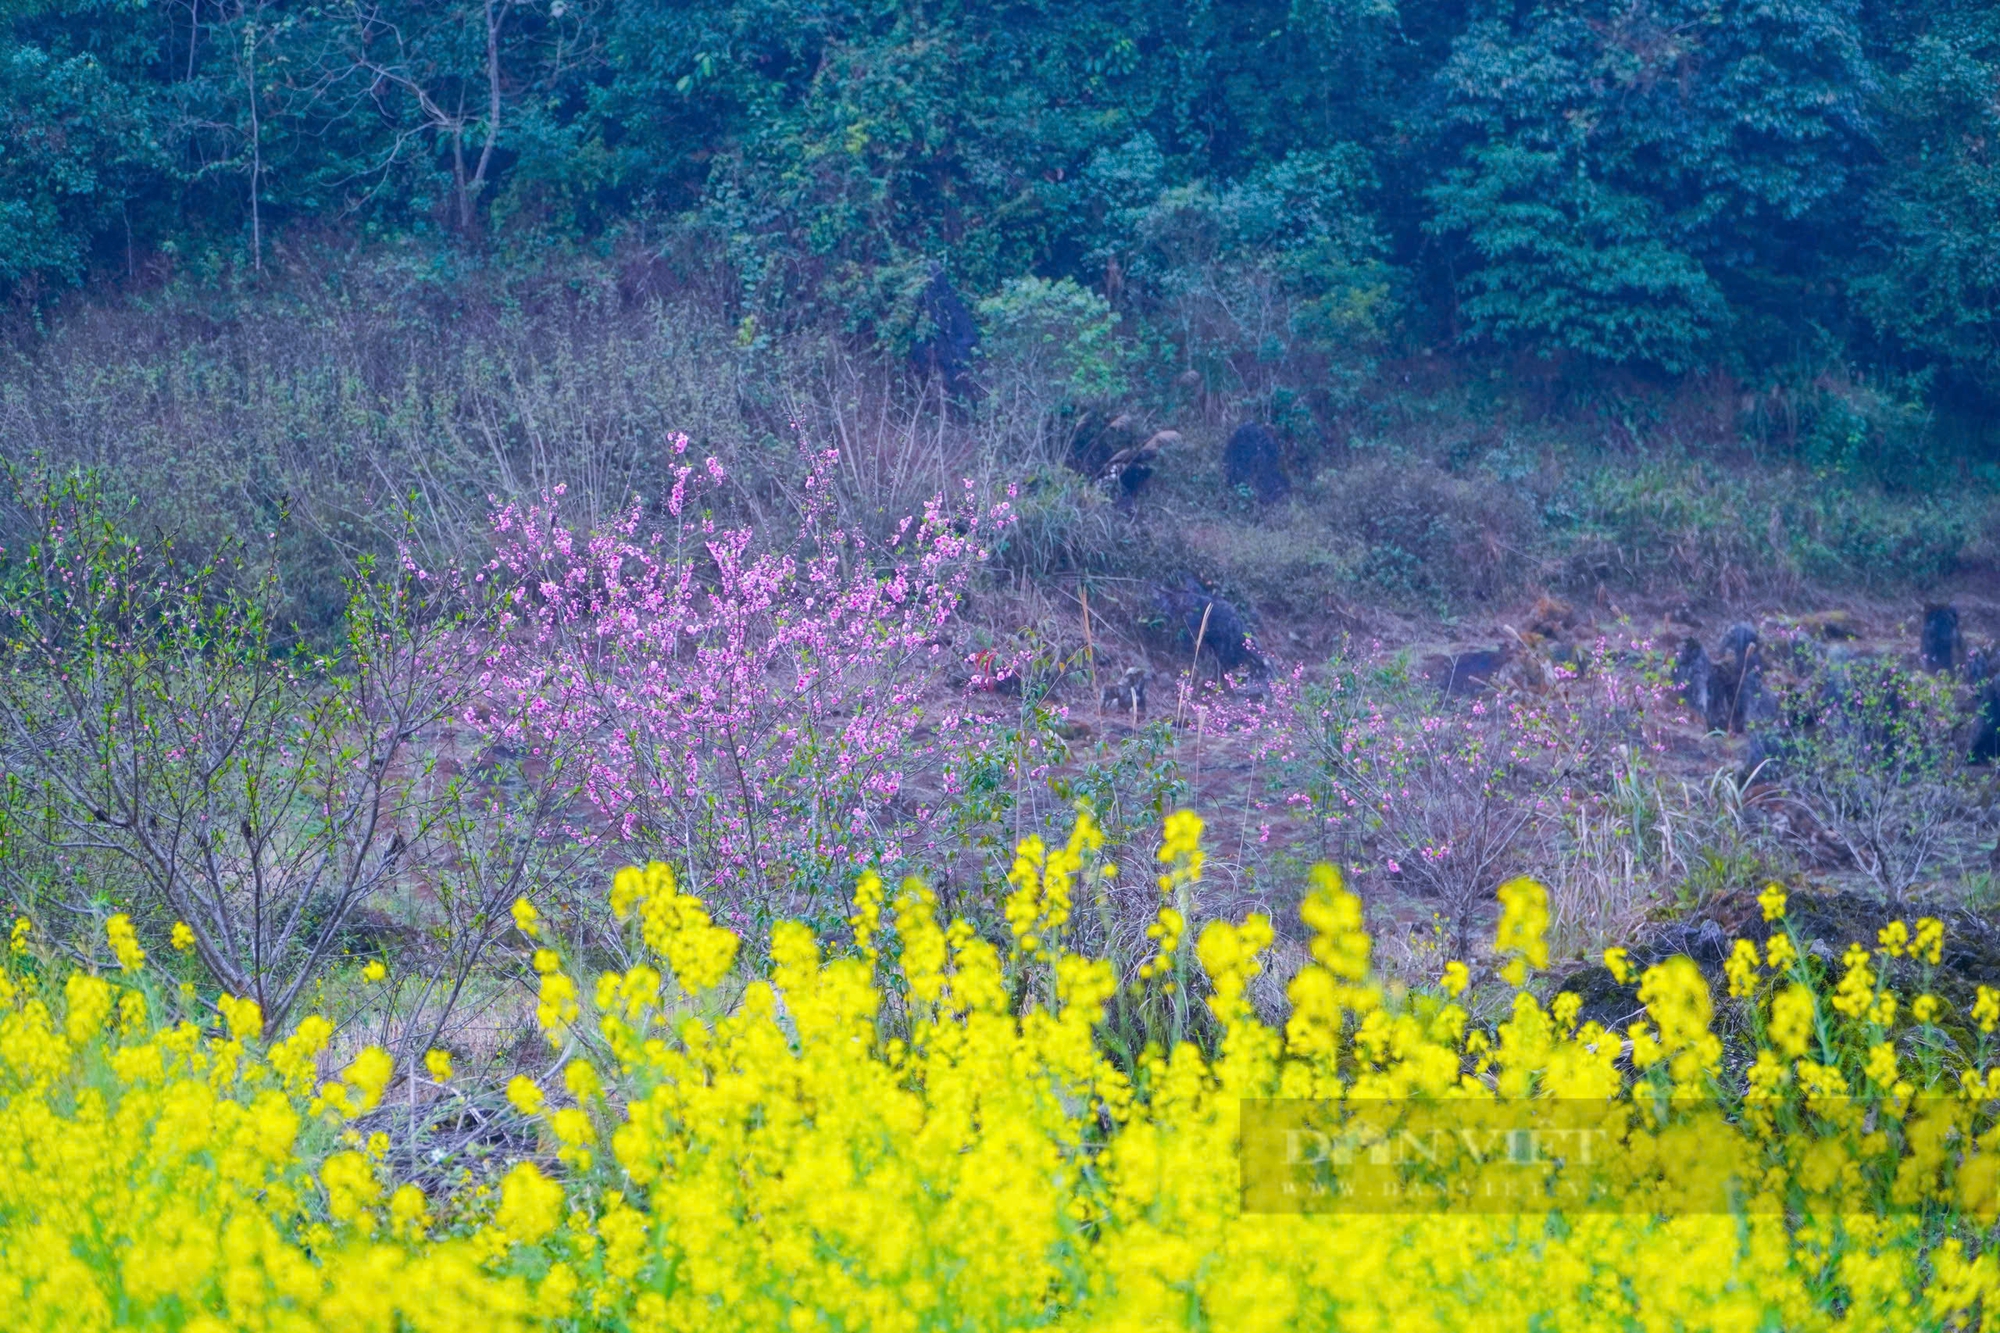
(747, 710)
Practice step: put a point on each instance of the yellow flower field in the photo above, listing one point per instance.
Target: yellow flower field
(928, 1132)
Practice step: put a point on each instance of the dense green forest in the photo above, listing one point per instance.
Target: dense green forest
(1765, 190)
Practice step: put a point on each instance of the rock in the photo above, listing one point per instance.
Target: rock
(1831, 625)
(1468, 672)
(1694, 677)
(1737, 681)
(1755, 705)
(1097, 440)
(1573, 659)
(1943, 645)
(1704, 941)
(1253, 459)
(1986, 725)
(1764, 758)
(1724, 710)
(1204, 623)
(1736, 678)
(1756, 715)
(1551, 617)
(1737, 641)
(1131, 467)
(1528, 662)
(1128, 695)
(947, 349)
(1526, 671)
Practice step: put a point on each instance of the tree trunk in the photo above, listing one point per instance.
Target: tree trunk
(496, 14)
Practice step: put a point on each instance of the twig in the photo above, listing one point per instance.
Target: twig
(1089, 648)
(1194, 672)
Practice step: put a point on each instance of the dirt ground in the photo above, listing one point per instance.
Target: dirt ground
(1257, 850)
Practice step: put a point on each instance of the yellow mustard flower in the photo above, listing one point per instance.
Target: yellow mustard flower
(523, 1095)
(124, 942)
(1772, 901)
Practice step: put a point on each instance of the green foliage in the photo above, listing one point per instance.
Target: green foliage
(77, 150)
(1055, 339)
(1874, 752)
(1568, 263)
(166, 755)
(1938, 292)
(1283, 266)
(1273, 198)
(1671, 523)
(1610, 169)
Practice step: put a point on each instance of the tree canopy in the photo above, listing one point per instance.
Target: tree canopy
(1669, 185)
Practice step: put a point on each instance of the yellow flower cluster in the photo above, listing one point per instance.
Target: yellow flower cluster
(124, 942)
(1741, 969)
(1772, 901)
(1180, 849)
(1038, 909)
(156, 1176)
(1181, 853)
(674, 925)
(1524, 925)
(850, 1143)
(1986, 1009)
(867, 918)
(1166, 931)
(1895, 940)
(1676, 997)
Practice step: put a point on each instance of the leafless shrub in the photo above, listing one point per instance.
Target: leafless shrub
(164, 758)
(1871, 757)
(1443, 797)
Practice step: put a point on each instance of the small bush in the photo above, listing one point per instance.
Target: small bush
(1418, 533)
